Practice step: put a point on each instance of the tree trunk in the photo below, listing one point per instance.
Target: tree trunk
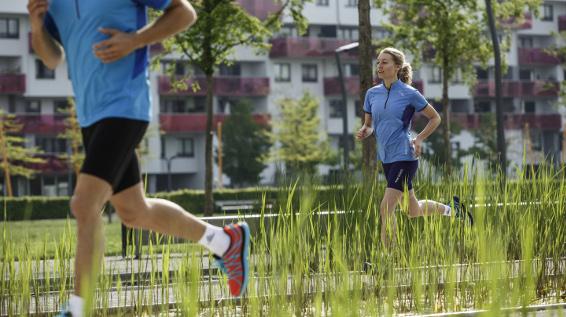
(501, 149)
(5, 164)
(366, 81)
(208, 199)
(446, 116)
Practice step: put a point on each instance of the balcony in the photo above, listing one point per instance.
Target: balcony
(52, 164)
(512, 121)
(509, 88)
(260, 8)
(223, 86)
(562, 23)
(41, 124)
(519, 24)
(196, 122)
(12, 84)
(298, 47)
(537, 56)
(332, 86)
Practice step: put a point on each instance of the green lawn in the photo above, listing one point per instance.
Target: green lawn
(42, 237)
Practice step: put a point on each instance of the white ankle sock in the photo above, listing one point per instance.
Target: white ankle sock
(215, 239)
(76, 306)
(447, 211)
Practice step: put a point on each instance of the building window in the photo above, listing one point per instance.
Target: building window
(61, 106)
(530, 107)
(351, 70)
(230, 70)
(51, 145)
(282, 72)
(42, 72)
(163, 148)
(482, 106)
(328, 31)
(482, 73)
(525, 74)
(9, 28)
(310, 73)
(526, 42)
(436, 75)
(351, 3)
(186, 147)
(33, 106)
(225, 104)
(322, 3)
(336, 108)
(349, 33)
(547, 12)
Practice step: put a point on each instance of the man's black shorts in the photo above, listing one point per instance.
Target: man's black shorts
(400, 173)
(110, 151)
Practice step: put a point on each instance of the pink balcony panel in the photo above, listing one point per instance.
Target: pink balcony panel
(196, 122)
(537, 56)
(519, 24)
(332, 86)
(513, 121)
(562, 23)
(42, 124)
(537, 88)
(260, 8)
(12, 83)
(307, 47)
(223, 86)
(53, 164)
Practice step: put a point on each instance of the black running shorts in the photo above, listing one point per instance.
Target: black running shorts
(400, 173)
(110, 151)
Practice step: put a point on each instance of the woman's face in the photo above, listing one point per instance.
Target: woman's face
(386, 68)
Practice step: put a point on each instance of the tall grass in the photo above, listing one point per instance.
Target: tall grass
(323, 256)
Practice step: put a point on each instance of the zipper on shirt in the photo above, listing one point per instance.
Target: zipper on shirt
(77, 9)
(388, 90)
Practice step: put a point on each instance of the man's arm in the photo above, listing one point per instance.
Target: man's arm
(176, 18)
(48, 49)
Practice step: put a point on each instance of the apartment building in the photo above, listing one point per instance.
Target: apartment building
(175, 140)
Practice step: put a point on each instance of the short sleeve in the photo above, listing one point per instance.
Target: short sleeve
(367, 105)
(419, 101)
(51, 27)
(155, 4)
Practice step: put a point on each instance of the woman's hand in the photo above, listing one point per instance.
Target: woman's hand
(119, 44)
(418, 146)
(364, 132)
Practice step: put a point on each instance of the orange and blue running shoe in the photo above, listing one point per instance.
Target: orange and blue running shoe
(234, 262)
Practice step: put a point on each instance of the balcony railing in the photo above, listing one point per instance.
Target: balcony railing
(519, 24)
(196, 122)
(298, 47)
(512, 121)
(223, 86)
(12, 83)
(260, 8)
(562, 23)
(510, 88)
(537, 56)
(41, 124)
(332, 86)
(53, 164)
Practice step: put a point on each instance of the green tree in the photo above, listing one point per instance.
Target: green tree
(16, 158)
(222, 26)
(245, 146)
(485, 142)
(72, 134)
(301, 144)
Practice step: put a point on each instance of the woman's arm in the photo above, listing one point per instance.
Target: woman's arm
(366, 130)
(433, 123)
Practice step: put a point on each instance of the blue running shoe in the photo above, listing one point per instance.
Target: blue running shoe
(461, 212)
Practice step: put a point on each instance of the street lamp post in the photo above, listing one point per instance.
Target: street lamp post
(168, 160)
(345, 134)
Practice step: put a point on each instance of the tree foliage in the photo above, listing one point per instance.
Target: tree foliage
(301, 144)
(245, 146)
(15, 157)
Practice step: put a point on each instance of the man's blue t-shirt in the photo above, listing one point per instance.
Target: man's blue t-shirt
(391, 111)
(119, 89)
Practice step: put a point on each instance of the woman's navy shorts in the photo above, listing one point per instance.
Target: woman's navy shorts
(400, 173)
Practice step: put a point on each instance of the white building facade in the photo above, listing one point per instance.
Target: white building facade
(176, 140)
